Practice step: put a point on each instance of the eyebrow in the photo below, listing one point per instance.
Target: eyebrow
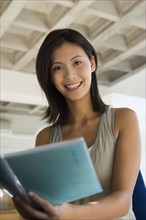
(57, 62)
(76, 57)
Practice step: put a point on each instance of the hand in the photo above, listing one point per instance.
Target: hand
(49, 212)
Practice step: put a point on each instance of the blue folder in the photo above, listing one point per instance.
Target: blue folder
(59, 172)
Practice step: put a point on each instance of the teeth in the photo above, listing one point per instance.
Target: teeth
(72, 86)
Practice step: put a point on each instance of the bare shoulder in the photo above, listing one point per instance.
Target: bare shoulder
(43, 136)
(125, 118)
(125, 112)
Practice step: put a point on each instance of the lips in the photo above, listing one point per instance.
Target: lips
(73, 86)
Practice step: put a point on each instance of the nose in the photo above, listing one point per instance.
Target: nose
(70, 73)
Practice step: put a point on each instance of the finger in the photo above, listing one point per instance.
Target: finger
(47, 207)
(28, 212)
(16, 204)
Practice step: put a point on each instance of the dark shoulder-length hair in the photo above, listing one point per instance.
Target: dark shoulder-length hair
(57, 111)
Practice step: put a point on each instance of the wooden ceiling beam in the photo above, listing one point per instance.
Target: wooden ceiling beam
(116, 42)
(32, 20)
(109, 63)
(139, 21)
(63, 22)
(6, 61)
(73, 14)
(10, 14)
(104, 9)
(123, 66)
(13, 41)
(66, 3)
(116, 27)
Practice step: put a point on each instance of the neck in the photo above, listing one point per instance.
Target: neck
(81, 111)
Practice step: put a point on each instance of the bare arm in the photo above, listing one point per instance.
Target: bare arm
(43, 137)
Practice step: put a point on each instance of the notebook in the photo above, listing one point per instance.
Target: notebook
(59, 172)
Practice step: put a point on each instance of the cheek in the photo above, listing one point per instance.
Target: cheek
(87, 67)
(56, 80)
(86, 71)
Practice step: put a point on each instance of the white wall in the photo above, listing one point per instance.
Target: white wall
(21, 88)
(133, 85)
(139, 105)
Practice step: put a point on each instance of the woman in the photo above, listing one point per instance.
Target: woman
(66, 70)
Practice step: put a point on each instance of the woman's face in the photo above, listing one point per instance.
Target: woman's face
(71, 71)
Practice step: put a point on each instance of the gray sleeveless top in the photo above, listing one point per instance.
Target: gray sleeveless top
(102, 154)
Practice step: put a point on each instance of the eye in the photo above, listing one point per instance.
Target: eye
(57, 68)
(77, 62)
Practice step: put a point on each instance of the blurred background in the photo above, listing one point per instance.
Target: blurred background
(116, 29)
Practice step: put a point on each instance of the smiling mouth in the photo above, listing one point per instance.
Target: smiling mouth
(73, 86)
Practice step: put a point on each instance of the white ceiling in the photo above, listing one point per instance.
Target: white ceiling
(116, 28)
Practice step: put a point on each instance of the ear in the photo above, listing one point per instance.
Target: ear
(93, 64)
